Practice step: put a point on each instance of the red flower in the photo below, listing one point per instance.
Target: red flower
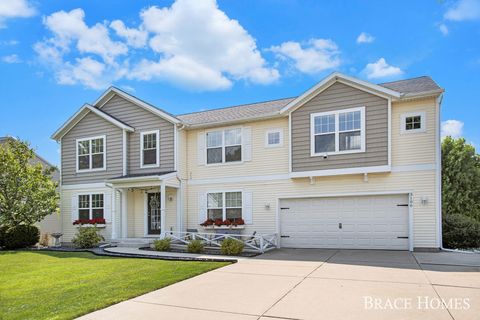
(218, 222)
(227, 222)
(238, 222)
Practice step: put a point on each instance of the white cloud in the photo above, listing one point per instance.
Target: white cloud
(381, 69)
(70, 27)
(453, 128)
(199, 35)
(85, 70)
(10, 9)
(195, 45)
(136, 38)
(13, 58)
(463, 10)
(315, 56)
(365, 38)
(443, 29)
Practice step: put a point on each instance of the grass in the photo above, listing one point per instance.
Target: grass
(61, 285)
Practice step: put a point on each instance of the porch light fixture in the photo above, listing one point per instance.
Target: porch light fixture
(424, 200)
(170, 197)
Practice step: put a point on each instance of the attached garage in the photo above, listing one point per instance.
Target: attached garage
(350, 222)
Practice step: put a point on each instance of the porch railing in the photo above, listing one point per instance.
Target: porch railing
(258, 243)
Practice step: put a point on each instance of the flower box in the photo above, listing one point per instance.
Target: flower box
(102, 225)
(231, 227)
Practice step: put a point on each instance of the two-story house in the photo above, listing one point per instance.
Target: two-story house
(347, 164)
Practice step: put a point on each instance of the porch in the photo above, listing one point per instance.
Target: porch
(144, 207)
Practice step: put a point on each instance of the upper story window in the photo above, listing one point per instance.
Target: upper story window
(413, 122)
(149, 151)
(274, 138)
(337, 132)
(90, 206)
(91, 154)
(224, 146)
(224, 205)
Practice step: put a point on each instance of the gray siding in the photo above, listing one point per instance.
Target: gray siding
(340, 96)
(91, 125)
(143, 120)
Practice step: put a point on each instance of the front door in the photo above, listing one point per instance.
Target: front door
(153, 213)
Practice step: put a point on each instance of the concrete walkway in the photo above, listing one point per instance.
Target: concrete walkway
(319, 284)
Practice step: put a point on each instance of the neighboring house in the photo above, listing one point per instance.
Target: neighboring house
(347, 164)
(51, 223)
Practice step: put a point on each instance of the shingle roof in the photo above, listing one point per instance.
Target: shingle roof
(272, 108)
(414, 85)
(241, 112)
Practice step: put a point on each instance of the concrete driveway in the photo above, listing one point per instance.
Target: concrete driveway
(314, 284)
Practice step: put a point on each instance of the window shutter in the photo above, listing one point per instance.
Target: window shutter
(107, 207)
(202, 207)
(74, 207)
(247, 144)
(247, 210)
(201, 148)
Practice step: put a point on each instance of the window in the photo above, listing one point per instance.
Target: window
(224, 205)
(149, 153)
(413, 122)
(274, 138)
(91, 154)
(90, 206)
(224, 146)
(336, 132)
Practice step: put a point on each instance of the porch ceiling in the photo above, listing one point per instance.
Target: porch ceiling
(143, 179)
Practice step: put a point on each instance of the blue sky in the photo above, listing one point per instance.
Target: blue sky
(191, 55)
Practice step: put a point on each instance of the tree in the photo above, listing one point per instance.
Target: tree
(27, 192)
(460, 178)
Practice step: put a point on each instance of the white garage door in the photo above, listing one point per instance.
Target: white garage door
(366, 222)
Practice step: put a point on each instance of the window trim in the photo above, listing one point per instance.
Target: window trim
(224, 202)
(90, 208)
(157, 164)
(223, 146)
(104, 137)
(279, 144)
(337, 131)
(423, 122)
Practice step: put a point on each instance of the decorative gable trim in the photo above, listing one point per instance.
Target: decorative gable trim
(112, 91)
(347, 80)
(80, 114)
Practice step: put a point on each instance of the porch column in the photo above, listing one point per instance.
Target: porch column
(162, 209)
(114, 213)
(124, 213)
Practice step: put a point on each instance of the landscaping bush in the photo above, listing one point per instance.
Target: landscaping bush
(231, 247)
(87, 237)
(460, 231)
(195, 246)
(162, 244)
(20, 236)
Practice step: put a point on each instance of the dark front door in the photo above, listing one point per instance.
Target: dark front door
(154, 213)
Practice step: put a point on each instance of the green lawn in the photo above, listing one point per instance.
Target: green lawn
(60, 285)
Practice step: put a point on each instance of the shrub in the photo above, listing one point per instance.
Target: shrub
(195, 246)
(87, 237)
(460, 231)
(231, 247)
(20, 236)
(162, 244)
